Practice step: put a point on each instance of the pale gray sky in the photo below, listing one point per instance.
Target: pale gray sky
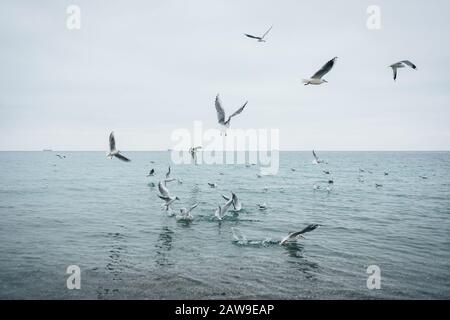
(146, 68)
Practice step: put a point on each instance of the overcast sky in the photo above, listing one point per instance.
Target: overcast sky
(146, 68)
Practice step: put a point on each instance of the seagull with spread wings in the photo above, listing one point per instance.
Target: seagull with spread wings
(113, 152)
(185, 214)
(166, 196)
(293, 236)
(221, 113)
(401, 64)
(260, 39)
(316, 79)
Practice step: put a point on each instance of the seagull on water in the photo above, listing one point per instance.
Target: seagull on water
(165, 195)
(316, 79)
(262, 206)
(113, 152)
(60, 156)
(151, 173)
(212, 185)
(260, 39)
(185, 214)
(316, 158)
(221, 113)
(293, 236)
(401, 64)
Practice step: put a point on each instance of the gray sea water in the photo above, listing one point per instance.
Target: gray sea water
(103, 216)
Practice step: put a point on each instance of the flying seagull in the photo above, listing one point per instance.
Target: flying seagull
(113, 152)
(221, 113)
(185, 214)
(237, 205)
(151, 173)
(165, 195)
(60, 156)
(193, 152)
(401, 64)
(260, 39)
(294, 235)
(316, 79)
(222, 210)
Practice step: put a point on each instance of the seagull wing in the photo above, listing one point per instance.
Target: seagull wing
(238, 111)
(236, 203)
(225, 197)
(409, 63)
(192, 208)
(315, 155)
(394, 69)
(309, 228)
(250, 36)
(167, 199)
(112, 142)
(163, 190)
(324, 70)
(220, 111)
(121, 157)
(265, 34)
(168, 173)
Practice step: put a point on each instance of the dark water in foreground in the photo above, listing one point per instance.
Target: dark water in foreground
(103, 216)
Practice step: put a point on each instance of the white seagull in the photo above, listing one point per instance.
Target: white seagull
(221, 113)
(316, 160)
(293, 236)
(165, 195)
(113, 152)
(401, 64)
(193, 152)
(260, 39)
(316, 79)
(222, 210)
(185, 214)
(237, 205)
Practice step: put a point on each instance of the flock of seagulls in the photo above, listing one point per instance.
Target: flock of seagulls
(233, 201)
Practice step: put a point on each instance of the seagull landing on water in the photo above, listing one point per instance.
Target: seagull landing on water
(185, 214)
(221, 113)
(293, 236)
(260, 39)
(165, 195)
(401, 64)
(316, 160)
(113, 152)
(237, 205)
(316, 79)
